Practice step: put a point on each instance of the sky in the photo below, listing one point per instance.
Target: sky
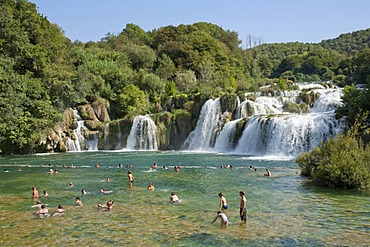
(272, 21)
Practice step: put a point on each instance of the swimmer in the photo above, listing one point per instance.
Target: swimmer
(97, 165)
(45, 193)
(109, 205)
(59, 212)
(268, 173)
(37, 204)
(108, 180)
(35, 193)
(223, 203)
(174, 198)
(70, 184)
(130, 178)
(83, 191)
(6, 170)
(150, 186)
(43, 211)
(105, 191)
(78, 202)
(223, 217)
(165, 168)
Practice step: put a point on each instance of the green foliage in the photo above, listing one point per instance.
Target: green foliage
(132, 101)
(185, 81)
(170, 89)
(26, 112)
(361, 64)
(342, 162)
(42, 72)
(355, 101)
(349, 43)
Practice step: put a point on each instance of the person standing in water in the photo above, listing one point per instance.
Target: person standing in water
(243, 207)
(223, 203)
(130, 178)
(35, 192)
(223, 217)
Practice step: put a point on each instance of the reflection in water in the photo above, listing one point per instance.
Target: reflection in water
(282, 210)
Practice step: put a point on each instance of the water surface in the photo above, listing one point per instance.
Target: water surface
(282, 211)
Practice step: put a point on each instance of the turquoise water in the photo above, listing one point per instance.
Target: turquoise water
(282, 210)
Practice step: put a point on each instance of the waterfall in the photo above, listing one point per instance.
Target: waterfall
(201, 137)
(268, 131)
(79, 143)
(224, 142)
(93, 143)
(106, 134)
(119, 137)
(328, 101)
(285, 136)
(237, 109)
(143, 134)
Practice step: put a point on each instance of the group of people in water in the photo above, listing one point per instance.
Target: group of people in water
(221, 213)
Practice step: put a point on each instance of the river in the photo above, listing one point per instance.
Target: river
(283, 210)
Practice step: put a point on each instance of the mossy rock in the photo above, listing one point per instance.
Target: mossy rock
(291, 107)
(239, 130)
(228, 102)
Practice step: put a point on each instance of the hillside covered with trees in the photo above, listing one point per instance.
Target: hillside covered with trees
(42, 72)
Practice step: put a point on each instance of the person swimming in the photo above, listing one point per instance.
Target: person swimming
(43, 212)
(108, 206)
(150, 186)
(78, 202)
(105, 191)
(59, 212)
(174, 198)
(37, 204)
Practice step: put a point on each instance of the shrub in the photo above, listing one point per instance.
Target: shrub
(343, 162)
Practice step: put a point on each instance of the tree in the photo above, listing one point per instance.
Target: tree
(361, 63)
(132, 101)
(166, 68)
(185, 81)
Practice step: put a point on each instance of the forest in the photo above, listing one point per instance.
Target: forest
(134, 72)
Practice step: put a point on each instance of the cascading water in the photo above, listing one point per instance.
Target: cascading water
(119, 137)
(269, 131)
(201, 137)
(285, 136)
(79, 142)
(93, 143)
(224, 141)
(143, 134)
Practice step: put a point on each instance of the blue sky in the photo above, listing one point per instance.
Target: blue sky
(274, 21)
